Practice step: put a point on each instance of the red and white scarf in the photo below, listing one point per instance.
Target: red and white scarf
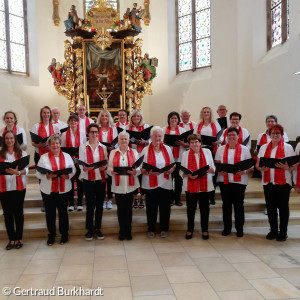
(69, 138)
(139, 129)
(240, 140)
(237, 158)
(151, 160)
(87, 123)
(116, 163)
(118, 124)
(199, 184)
(19, 182)
(279, 174)
(214, 133)
(14, 130)
(175, 149)
(190, 123)
(263, 140)
(90, 160)
(62, 165)
(43, 133)
(109, 135)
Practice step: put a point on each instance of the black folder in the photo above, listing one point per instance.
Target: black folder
(258, 147)
(170, 139)
(37, 139)
(70, 150)
(112, 144)
(246, 141)
(64, 129)
(240, 166)
(135, 135)
(123, 170)
(96, 165)
(222, 122)
(207, 140)
(21, 163)
(119, 129)
(200, 172)
(148, 167)
(270, 162)
(19, 138)
(58, 172)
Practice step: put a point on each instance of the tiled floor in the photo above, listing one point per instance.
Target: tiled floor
(173, 268)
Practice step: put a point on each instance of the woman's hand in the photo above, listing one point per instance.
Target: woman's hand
(211, 170)
(190, 176)
(217, 142)
(150, 173)
(65, 176)
(241, 173)
(222, 173)
(110, 148)
(103, 168)
(113, 173)
(50, 175)
(142, 142)
(86, 169)
(12, 171)
(297, 188)
(264, 169)
(284, 166)
(132, 172)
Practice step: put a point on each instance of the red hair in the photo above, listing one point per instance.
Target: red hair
(276, 127)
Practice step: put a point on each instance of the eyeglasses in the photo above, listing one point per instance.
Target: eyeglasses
(276, 133)
(93, 132)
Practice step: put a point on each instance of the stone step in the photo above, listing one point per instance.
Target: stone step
(37, 229)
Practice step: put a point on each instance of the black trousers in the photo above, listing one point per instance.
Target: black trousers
(233, 194)
(12, 205)
(178, 183)
(79, 188)
(158, 198)
(94, 196)
(60, 202)
(192, 199)
(108, 187)
(277, 197)
(124, 204)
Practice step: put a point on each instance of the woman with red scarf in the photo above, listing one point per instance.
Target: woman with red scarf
(124, 185)
(11, 121)
(136, 123)
(174, 128)
(94, 181)
(12, 190)
(235, 119)
(70, 139)
(197, 189)
(233, 186)
(158, 187)
(277, 183)
(208, 127)
(107, 133)
(55, 190)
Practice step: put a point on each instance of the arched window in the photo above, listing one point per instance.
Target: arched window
(88, 4)
(193, 34)
(13, 36)
(277, 22)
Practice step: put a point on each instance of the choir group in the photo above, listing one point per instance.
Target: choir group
(144, 165)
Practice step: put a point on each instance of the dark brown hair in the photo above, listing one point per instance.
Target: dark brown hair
(17, 148)
(193, 137)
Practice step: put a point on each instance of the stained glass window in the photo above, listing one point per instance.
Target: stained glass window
(278, 20)
(193, 32)
(13, 36)
(89, 3)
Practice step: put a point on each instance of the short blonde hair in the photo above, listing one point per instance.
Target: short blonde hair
(212, 120)
(54, 137)
(136, 112)
(110, 119)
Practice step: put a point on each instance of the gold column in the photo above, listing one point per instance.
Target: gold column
(147, 16)
(55, 17)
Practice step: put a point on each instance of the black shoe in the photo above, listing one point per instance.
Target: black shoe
(271, 236)
(18, 244)
(129, 237)
(205, 237)
(225, 232)
(64, 239)
(10, 246)
(188, 236)
(212, 201)
(121, 238)
(50, 241)
(240, 233)
(281, 237)
(178, 203)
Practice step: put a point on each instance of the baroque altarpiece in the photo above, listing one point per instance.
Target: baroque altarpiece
(104, 66)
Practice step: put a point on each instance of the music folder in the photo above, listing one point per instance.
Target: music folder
(38, 139)
(123, 170)
(135, 135)
(58, 172)
(207, 140)
(70, 150)
(64, 129)
(19, 139)
(96, 165)
(270, 162)
(200, 172)
(170, 139)
(149, 167)
(112, 144)
(258, 147)
(234, 168)
(119, 129)
(246, 141)
(21, 163)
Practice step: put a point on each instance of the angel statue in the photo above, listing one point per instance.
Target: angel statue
(148, 67)
(56, 71)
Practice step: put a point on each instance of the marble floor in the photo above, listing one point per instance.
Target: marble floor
(172, 268)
